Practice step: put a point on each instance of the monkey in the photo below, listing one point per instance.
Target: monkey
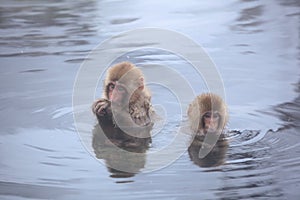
(125, 112)
(207, 114)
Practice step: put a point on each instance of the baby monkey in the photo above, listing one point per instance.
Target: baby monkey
(124, 111)
(207, 114)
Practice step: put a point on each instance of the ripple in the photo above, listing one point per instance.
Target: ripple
(33, 70)
(69, 43)
(64, 157)
(52, 164)
(22, 53)
(60, 112)
(40, 148)
(239, 138)
(76, 60)
(123, 20)
(30, 191)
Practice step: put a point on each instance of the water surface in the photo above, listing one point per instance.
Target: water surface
(255, 46)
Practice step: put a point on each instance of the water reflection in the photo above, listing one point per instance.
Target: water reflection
(214, 158)
(122, 160)
(289, 112)
(291, 3)
(250, 20)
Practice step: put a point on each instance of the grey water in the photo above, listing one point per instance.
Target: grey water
(255, 46)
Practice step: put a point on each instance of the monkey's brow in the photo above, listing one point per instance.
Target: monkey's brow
(209, 114)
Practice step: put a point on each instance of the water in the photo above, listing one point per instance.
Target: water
(255, 46)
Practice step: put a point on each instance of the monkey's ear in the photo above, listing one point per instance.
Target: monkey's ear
(141, 83)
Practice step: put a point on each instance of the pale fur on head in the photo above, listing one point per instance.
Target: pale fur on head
(130, 76)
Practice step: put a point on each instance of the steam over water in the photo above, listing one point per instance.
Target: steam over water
(255, 47)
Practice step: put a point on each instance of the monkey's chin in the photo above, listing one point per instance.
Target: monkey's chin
(212, 131)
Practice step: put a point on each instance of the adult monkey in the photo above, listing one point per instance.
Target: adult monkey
(125, 104)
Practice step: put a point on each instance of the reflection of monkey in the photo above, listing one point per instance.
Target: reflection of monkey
(124, 113)
(207, 114)
(216, 155)
(121, 162)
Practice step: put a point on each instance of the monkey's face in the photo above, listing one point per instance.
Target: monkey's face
(211, 121)
(116, 93)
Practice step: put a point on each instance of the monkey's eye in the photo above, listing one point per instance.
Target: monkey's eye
(207, 115)
(120, 89)
(211, 115)
(111, 87)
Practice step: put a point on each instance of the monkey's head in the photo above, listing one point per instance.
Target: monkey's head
(208, 113)
(123, 83)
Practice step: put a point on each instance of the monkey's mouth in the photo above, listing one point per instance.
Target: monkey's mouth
(211, 128)
(115, 103)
